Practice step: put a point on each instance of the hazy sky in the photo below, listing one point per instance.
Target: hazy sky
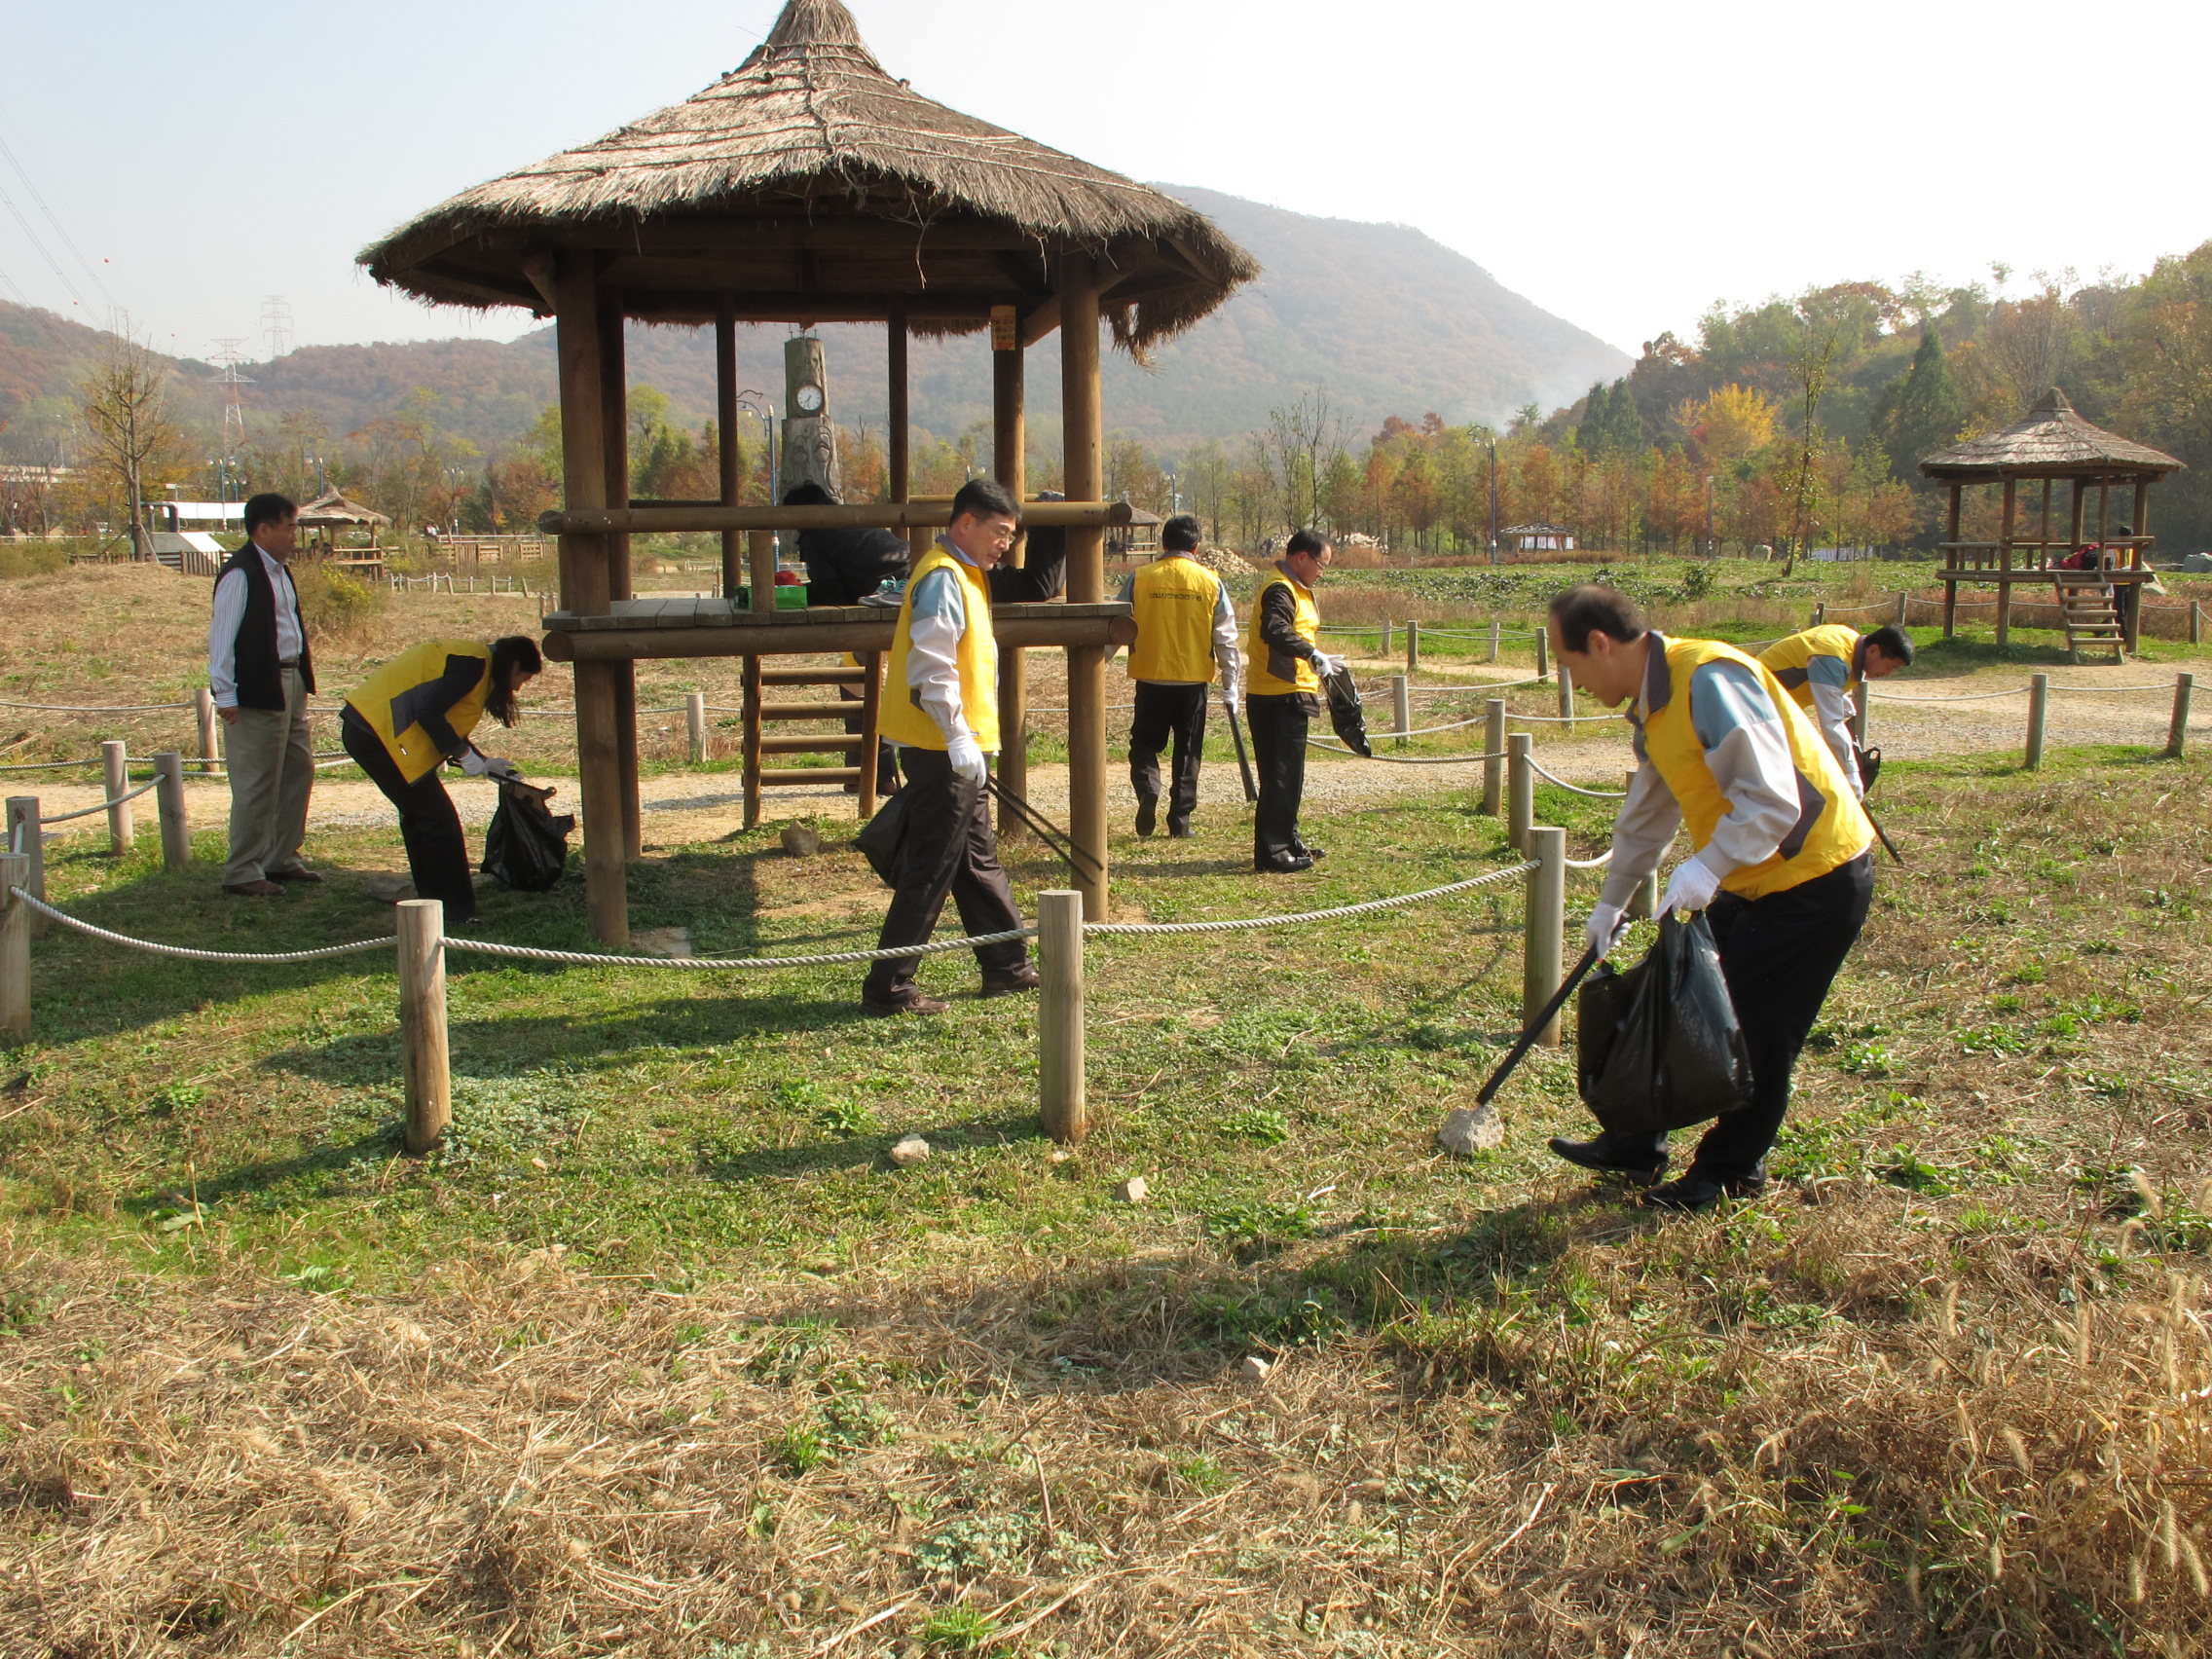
(1622, 166)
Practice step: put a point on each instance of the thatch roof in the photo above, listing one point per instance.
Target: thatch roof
(2053, 442)
(334, 511)
(814, 187)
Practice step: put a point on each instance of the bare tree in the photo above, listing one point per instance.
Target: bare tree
(1300, 441)
(126, 421)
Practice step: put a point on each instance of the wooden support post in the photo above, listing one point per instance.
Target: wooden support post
(15, 948)
(176, 821)
(872, 716)
(203, 708)
(614, 424)
(1543, 653)
(423, 1021)
(901, 433)
(1062, 1110)
(751, 719)
(122, 821)
(2038, 709)
(695, 724)
(733, 481)
(2177, 730)
(2005, 566)
(1520, 791)
(1546, 923)
(1413, 645)
(1401, 708)
(1009, 466)
(586, 588)
(1084, 467)
(1952, 558)
(24, 836)
(1566, 698)
(1493, 749)
(760, 567)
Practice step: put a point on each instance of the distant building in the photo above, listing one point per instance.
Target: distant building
(1537, 538)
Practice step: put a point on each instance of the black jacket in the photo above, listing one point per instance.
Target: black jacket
(845, 565)
(260, 676)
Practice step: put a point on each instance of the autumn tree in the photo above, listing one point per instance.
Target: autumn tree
(128, 424)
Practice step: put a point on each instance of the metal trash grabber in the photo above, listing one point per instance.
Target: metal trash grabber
(1544, 1016)
(1243, 761)
(1042, 827)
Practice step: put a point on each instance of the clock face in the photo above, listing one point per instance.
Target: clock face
(809, 400)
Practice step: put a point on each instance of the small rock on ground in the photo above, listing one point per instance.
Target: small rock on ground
(801, 840)
(1255, 1369)
(1469, 1129)
(1133, 1191)
(911, 1150)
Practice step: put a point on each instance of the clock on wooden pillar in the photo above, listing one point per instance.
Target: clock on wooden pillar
(810, 433)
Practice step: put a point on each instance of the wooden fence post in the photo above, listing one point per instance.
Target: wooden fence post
(695, 719)
(1493, 747)
(1520, 791)
(423, 1021)
(1542, 952)
(2038, 709)
(1900, 607)
(122, 821)
(176, 822)
(1820, 613)
(1859, 699)
(2177, 733)
(1543, 655)
(1494, 633)
(1062, 1112)
(203, 708)
(1401, 708)
(1389, 630)
(2195, 622)
(1566, 698)
(26, 837)
(14, 946)
(1413, 647)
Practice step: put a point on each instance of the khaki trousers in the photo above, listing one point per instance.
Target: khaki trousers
(270, 753)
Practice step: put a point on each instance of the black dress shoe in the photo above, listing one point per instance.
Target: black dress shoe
(1640, 1166)
(1148, 812)
(1698, 1189)
(298, 873)
(1009, 981)
(904, 999)
(1283, 863)
(1179, 831)
(1310, 850)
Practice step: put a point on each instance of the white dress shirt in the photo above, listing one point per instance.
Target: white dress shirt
(230, 611)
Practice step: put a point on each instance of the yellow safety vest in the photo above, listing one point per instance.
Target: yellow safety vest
(389, 701)
(1833, 829)
(1789, 660)
(1175, 600)
(903, 718)
(1261, 681)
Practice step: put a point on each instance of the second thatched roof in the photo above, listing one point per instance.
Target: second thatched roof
(831, 184)
(2051, 442)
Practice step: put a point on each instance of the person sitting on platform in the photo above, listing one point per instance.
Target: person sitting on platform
(1282, 697)
(1186, 626)
(940, 707)
(843, 567)
(1822, 667)
(1043, 574)
(413, 716)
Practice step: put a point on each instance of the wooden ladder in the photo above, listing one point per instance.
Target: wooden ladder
(2089, 610)
(858, 752)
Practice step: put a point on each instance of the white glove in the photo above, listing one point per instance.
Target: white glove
(1325, 665)
(966, 757)
(1690, 888)
(473, 763)
(1233, 693)
(499, 768)
(1607, 922)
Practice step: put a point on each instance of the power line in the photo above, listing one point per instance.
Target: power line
(62, 231)
(59, 275)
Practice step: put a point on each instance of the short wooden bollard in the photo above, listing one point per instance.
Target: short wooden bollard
(1401, 708)
(176, 821)
(2177, 731)
(122, 821)
(1901, 602)
(1543, 655)
(423, 1021)
(1542, 951)
(26, 837)
(1389, 635)
(2195, 623)
(2039, 710)
(1493, 751)
(1520, 791)
(14, 946)
(1820, 614)
(1413, 647)
(695, 719)
(1061, 1110)
(1566, 698)
(1493, 632)
(203, 708)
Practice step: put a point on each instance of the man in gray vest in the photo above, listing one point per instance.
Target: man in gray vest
(261, 674)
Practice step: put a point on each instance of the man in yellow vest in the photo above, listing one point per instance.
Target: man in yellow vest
(940, 706)
(1282, 697)
(1186, 626)
(1822, 667)
(1778, 861)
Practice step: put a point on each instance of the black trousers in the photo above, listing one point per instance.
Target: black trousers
(949, 851)
(1779, 955)
(1168, 712)
(1279, 725)
(437, 854)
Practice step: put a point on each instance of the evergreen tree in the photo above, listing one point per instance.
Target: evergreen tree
(1591, 433)
(1927, 411)
(1624, 424)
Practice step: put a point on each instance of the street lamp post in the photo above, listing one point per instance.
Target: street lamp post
(1710, 549)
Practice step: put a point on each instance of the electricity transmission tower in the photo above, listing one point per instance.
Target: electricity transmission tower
(277, 324)
(226, 359)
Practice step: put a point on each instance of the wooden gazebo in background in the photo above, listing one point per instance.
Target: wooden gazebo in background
(809, 186)
(2054, 444)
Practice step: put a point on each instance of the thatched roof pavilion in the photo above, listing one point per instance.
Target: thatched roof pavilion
(809, 185)
(2052, 443)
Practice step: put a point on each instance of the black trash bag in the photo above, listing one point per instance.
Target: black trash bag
(1658, 1046)
(1346, 712)
(527, 848)
(882, 837)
